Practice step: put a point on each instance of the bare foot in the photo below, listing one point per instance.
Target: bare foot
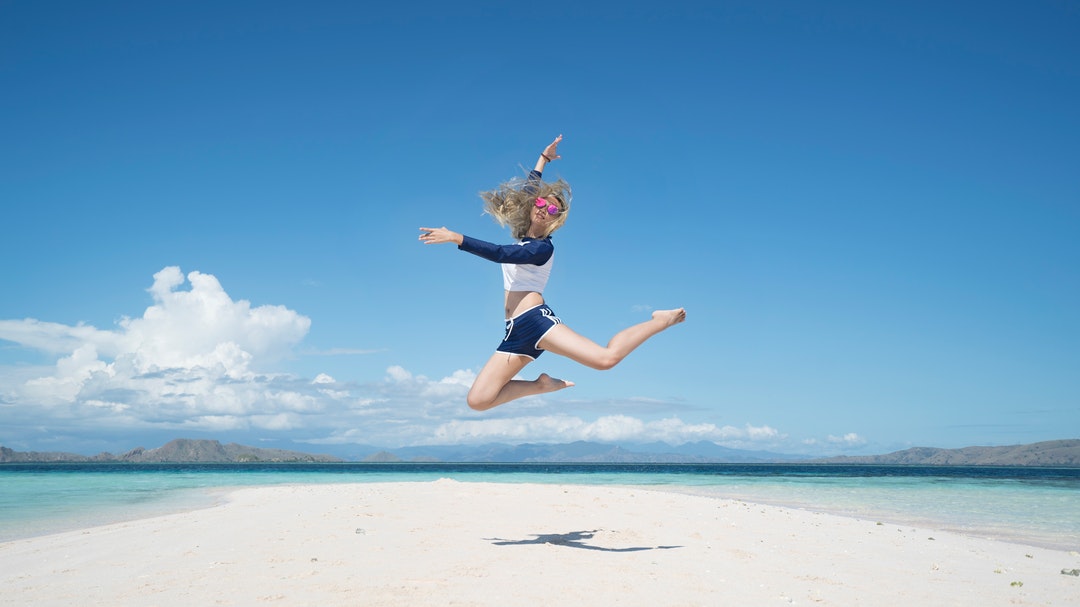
(670, 317)
(547, 383)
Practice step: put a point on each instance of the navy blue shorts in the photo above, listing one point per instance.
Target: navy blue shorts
(524, 331)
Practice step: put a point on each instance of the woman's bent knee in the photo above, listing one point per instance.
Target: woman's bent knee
(606, 362)
(477, 402)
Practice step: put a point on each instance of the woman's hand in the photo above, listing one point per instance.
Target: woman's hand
(551, 152)
(439, 236)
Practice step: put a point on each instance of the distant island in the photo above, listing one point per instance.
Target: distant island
(1063, 453)
(1057, 453)
(181, 450)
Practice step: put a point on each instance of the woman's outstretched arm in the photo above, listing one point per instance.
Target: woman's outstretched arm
(533, 251)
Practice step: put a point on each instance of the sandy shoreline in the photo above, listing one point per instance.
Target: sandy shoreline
(453, 543)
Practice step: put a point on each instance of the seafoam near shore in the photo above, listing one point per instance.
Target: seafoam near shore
(452, 543)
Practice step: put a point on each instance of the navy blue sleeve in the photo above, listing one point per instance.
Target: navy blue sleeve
(535, 252)
(532, 182)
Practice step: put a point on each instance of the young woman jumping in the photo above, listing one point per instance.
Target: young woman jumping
(534, 209)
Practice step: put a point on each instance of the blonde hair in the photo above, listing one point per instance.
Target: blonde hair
(511, 204)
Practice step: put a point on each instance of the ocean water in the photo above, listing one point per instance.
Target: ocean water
(1037, 506)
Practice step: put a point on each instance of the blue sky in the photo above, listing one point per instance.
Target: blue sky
(871, 212)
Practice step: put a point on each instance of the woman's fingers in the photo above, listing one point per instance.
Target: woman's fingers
(434, 235)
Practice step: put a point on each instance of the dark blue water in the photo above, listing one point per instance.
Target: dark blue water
(409, 471)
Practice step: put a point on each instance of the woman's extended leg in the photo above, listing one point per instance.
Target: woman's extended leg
(562, 340)
(496, 385)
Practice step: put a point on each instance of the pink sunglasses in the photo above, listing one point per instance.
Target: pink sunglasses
(551, 208)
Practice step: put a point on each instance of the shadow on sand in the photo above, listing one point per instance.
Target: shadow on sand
(574, 539)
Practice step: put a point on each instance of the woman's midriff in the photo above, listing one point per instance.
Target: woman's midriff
(519, 301)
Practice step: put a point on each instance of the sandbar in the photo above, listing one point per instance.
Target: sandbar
(485, 544)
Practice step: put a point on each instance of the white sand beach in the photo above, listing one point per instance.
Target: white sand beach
(454, 543)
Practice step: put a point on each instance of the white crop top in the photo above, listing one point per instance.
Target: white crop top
(526, 264)
(527, 277)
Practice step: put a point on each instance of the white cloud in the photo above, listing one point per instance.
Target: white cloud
(190, 356)
(55, 338)
(398, 374)
(611, 428)
(199, 328)
(72, 372)
(761, 432)
(850, 439)
(204, 327)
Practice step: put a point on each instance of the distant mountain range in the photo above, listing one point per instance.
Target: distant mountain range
(584, 452)
(1051, 453)
(211, 451)
(181, 450)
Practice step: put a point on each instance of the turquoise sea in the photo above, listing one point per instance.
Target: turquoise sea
(1037, 506)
